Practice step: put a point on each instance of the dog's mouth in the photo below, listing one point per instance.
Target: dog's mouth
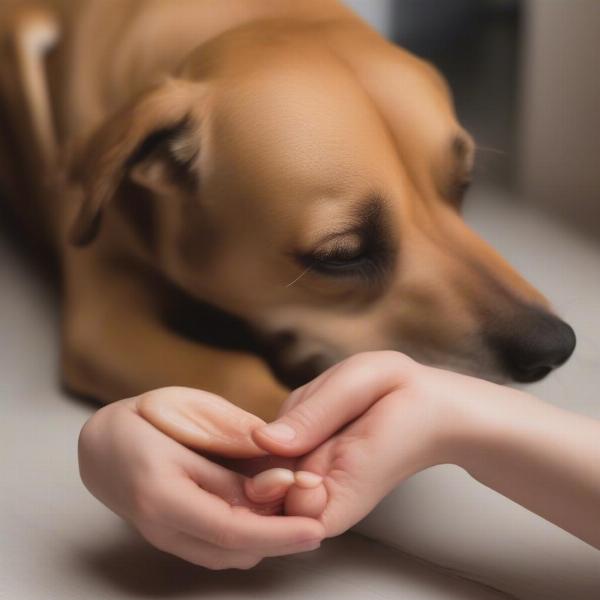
(292, 363)
(297, 375)
(524, 349)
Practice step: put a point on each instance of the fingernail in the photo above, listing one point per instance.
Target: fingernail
(307, 480)
(280, 432)
(272, 482)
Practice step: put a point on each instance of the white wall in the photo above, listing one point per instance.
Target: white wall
(560, 124)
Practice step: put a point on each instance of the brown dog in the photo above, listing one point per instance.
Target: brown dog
(275, 159)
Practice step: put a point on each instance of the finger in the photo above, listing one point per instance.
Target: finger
(216, 479)
(269, 486)
(202, 421)
(300, 394)
(351, 388)
(238, 490)
(273, 484)
(306, 502)
(354, 481)
(200, 514)
(253, 466)
(202, 553)
(307, 480)
(212, 557)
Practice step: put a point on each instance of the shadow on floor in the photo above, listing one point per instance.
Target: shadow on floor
(348, 565)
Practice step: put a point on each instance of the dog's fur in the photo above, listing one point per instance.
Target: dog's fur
(275, 159)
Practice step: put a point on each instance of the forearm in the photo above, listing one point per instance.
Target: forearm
(379, 418)
(542, 457)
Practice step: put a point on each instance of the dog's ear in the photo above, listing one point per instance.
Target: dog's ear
(151, 141)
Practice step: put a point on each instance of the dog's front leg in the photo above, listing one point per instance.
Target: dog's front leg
(116, 346)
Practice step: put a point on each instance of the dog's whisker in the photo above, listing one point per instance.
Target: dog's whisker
(299, 277)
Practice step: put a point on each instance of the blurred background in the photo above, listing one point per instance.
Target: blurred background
(526, 80)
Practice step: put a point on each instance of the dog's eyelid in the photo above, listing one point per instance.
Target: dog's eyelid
(369, 256)
(352, 236)
(356, 237)
(340, 250)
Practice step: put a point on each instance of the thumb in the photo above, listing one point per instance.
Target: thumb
(332, 401)
(202, 421)
(302, 502)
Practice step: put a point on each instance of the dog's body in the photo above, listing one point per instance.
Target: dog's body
(273, 158)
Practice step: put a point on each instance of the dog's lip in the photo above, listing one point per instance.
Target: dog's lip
(297, 374)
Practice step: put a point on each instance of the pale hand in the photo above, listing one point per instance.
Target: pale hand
(184, 503)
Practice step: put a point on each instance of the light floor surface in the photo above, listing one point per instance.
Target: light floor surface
(59, 543)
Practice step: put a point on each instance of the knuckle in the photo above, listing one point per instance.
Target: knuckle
(402, 362)
(397, 362)
(391, 358)
(147, 399)
(151, 397)
(363, 362)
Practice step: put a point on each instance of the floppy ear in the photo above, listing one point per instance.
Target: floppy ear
(148, 139)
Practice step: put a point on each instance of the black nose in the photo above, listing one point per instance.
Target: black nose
(535, 345)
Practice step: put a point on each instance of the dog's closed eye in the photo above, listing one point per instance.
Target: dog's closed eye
(363, 251)
(341, 256)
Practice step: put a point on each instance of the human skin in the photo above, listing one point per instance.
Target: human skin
(363, 426)
(182, 502)
(398, 417)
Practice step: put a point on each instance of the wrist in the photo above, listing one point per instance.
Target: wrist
(427, 429)
(449, 429)
(453, 415)
(457, 429)
(474, 419)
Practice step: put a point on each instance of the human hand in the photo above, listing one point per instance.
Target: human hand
(373, 420)
(184, 503)
(376, 418)
(365, 425)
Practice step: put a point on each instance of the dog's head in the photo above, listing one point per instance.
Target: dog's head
(317, 196)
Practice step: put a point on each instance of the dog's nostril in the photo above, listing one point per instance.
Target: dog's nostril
(539, 343)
